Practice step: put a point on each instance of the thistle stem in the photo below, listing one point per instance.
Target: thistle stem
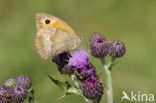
(107, 68)
(109, 87)
(75, 80)
(88, 101)
(91, 101)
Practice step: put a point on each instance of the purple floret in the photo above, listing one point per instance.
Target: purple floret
(79, 59)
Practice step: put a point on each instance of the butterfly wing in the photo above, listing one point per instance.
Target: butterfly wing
(54, 22)
(51, 41)
(53, 37)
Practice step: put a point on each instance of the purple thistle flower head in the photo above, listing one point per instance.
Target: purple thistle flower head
(92, 88)
(62, 62)
(4, 94)
(83, 73)
(19, 93)
(98, 45)
(24, 80)
(117, 49)
(92, 80)
(96, 36)
(79, 59)
(61, 59)
(66, 69)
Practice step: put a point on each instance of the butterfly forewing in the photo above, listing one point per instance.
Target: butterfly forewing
(53, 37)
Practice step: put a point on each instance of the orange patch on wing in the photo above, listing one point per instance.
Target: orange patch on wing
(57, 24)
(61, 26)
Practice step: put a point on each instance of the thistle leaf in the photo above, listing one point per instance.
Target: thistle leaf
(31, 97)
(75, 91)
(63, 85)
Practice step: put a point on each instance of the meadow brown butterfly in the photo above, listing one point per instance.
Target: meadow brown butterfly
(53, 36)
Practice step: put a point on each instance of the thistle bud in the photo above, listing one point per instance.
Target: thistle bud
(19, 93)
(9, 82)
(61, 59)
(66, 69)
(98, 45)
(117, 49)
(92, 88)
(4, 94)
(24, 80)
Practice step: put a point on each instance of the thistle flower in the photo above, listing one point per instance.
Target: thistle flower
(19, 93)
(23, 80)
(61, 59)
(92, 88)
(83, 73)
(98, 45)
(79, 59)
(62, 62)
(4, 94)
(117, 49)
(9, 82)
(66, 69)
(95, 36)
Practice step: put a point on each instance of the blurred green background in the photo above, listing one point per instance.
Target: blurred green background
(130, 21)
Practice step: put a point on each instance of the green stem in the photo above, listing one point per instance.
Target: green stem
(107, 68)
(76, 82)
(88, 101)
(91, 101)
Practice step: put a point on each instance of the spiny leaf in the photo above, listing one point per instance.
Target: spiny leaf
(111, 65)
(31, 97)
(73, 90)
(67, 87)
(63, 85)
(99, 99)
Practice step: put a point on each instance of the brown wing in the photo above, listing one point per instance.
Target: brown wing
(51, 41)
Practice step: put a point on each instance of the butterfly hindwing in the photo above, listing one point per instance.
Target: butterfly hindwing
(51, 41)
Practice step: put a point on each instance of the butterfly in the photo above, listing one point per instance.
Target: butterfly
(54, 36)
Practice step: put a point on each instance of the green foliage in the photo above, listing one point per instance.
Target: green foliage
(63, 85)
(66, 87)
(31, 97)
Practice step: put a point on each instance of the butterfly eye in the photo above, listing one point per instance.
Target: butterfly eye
(47, 21)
